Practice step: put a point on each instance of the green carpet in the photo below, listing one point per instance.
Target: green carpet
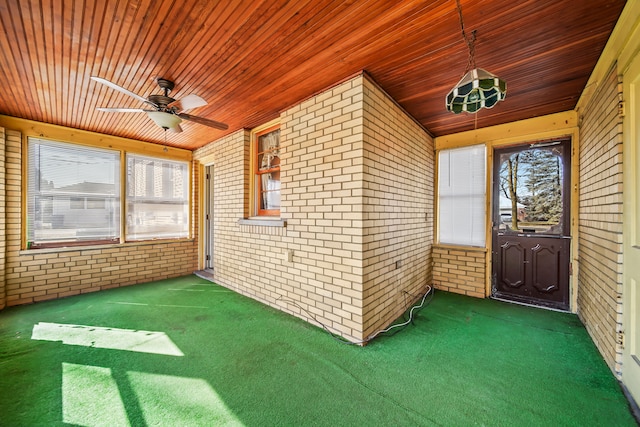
(186, 352)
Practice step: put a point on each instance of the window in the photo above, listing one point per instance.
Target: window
(267, 171)
(461, 196)
(73, 194)
(157, 198)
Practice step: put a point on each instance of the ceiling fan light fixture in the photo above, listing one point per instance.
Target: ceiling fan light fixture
(164, 120)
(477, 89)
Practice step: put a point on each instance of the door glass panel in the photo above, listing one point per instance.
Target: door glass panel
(531, 191)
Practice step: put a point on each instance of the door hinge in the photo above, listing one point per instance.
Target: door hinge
(570, 269)
(620, 338)
(206, 216)
(207, 176)
(207, 257)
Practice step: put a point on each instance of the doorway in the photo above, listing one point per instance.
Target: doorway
(531, 224)
(208, 218)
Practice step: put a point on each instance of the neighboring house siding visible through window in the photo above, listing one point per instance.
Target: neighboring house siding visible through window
(461, 196)
(73, 194)
(267, 171)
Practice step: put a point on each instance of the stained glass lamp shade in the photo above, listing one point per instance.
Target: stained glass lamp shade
(477, 89)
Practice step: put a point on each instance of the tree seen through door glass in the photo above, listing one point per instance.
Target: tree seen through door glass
(531, 191)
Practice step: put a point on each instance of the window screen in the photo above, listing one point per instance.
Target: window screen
(461, 196)
(157, 198)
(73, 194)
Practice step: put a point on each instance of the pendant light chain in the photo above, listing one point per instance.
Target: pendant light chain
(478, 88)
(471, 45)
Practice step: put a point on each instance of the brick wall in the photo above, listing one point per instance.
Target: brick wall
(600, 220)
(398, 209)
(36, 275)
(460, 270)
(3, 229)
(324, 179)
(246, 258)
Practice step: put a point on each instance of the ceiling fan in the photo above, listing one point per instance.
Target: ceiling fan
(165, 111)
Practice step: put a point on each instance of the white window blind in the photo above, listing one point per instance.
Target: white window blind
(157, 198)
(461, 196)
(73, 194)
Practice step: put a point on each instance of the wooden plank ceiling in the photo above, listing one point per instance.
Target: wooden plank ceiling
(251, 59)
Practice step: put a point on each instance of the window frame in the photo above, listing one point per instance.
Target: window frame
(256, 172)
(122, 146)
(129, 199)
(72, 197)
(481, 220)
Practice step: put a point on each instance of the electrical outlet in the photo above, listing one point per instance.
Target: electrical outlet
(398, 264)
(289, 255)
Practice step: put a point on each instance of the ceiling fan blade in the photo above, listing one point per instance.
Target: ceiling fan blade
(187, 103)
(121, 110)
(120, 89)
(203, 121)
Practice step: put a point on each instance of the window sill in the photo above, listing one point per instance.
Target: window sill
(460, 247)
(56, 249)
(266, 222)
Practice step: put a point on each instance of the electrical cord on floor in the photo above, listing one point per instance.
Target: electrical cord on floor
(430, 291)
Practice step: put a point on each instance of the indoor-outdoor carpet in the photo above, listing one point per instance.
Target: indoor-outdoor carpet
(187, 352)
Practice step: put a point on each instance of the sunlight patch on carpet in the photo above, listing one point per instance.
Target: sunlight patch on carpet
(110, 338)
(90, 397)
(171, 400)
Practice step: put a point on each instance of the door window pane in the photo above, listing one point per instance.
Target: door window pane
(531, 190)
(157, 198)
(73, 194)
(461, 196)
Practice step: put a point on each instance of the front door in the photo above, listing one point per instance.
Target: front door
(531, 230)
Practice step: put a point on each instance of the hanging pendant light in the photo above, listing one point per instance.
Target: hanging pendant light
(478, 88)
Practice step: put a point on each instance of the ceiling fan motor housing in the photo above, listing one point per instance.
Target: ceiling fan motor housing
(161, 101)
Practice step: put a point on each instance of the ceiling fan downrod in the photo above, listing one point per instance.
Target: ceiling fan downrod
(162, 101)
